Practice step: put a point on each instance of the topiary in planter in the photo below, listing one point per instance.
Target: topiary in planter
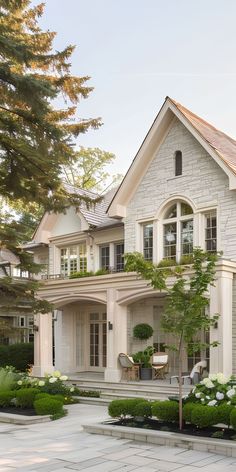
(48, 406)
(142, 331)
(166, 410)
(204, 416)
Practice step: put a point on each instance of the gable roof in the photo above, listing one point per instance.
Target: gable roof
(219, 145)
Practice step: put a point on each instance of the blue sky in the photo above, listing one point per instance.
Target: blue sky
(137, 52)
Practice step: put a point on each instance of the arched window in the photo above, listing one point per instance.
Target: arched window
(178, 163)
(178, 231)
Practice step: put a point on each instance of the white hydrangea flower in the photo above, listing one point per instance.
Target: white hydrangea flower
(52, 380)
(219, 396)
(221, 379)
(230, 393)
(63, 377)
(202, 399)
(212, 403)
(19, 382)
(209, 384)
(207, 397)
(198, 395)
(193, 390)
(56, 374)
(72, 389)
(229, 403)
(213, 377)
(41, 383)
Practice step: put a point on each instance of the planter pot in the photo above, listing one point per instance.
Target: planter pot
(146, 373)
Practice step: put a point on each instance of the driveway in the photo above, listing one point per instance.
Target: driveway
(62, 446)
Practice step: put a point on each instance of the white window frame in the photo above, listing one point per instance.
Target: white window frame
(178, 220)
(78, 246)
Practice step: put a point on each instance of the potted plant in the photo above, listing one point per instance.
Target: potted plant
(143, 357)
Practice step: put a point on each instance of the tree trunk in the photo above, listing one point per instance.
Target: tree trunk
(180, 386)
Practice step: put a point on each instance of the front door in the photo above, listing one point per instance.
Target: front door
(98, 341)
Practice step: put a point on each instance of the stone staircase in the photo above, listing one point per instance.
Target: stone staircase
(152, 390)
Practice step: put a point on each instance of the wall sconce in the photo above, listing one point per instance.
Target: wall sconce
(110, 326)
(216, 325)
(35, 328)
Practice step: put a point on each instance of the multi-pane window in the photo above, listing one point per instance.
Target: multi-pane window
(74, 259)
(119, 257)
(178, 163)
(178, 231)
(105, 257)
(148, 241)
(211, 232)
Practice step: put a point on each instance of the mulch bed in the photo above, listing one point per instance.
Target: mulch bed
(190, 430)
(18, 411)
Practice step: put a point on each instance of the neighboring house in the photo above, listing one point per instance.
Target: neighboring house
(179, 192)
(15, 327)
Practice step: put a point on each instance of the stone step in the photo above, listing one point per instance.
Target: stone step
(120, 396)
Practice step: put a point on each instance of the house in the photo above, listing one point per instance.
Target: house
(179, 192)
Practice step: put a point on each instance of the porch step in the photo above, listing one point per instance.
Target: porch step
(119, 396)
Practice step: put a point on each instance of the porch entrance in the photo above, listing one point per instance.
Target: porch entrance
(97, 340)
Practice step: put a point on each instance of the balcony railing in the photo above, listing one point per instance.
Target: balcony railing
(99, 273)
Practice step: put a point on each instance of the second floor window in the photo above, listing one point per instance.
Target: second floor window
(105, 257)
(211, 232)
(178, 231)
(148, 241)
(119, 257)
(74, 259)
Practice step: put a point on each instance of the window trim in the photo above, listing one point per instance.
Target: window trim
(178, 220)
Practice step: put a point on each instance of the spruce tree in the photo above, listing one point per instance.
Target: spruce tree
(35, 135)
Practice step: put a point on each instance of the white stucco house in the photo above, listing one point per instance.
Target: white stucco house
(179, 192)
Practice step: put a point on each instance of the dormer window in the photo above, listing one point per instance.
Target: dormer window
(178, 163)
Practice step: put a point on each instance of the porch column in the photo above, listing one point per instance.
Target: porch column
(221, 302)
(116, 336)
(42, 345)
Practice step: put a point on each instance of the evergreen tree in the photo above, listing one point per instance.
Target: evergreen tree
(35, 136)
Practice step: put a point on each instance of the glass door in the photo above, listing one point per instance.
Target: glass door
(98, 341)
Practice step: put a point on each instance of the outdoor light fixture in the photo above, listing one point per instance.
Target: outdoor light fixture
(110, 326)
(35, 328)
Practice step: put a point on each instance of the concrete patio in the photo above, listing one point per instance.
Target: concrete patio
(62, 446)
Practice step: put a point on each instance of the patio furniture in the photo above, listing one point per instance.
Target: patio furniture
(160, 365)
(130, 369)
(194, 376)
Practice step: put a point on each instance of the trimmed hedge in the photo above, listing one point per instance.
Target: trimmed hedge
(204, 416)
(233, 418)
(20, 355)
(25, 397)
(120, 408)
(143, 409)
(187, 411)
(224, 412)
(6, 398)
(48, 406)
(167, 410)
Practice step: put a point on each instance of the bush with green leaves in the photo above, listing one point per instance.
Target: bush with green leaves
(123, 408)
(6, 398)
(143, 409)
(204, 416)
(187, 411)
(48, 406)
(19, 355)
(224, 412)
(143, 357)
(84, 393)
(166, 410)
(8, 378)
(213, 391)
(142, 331)
(25, 397)
(233, 418)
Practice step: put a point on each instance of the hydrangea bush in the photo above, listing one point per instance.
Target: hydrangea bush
(214, 390)
(52, 383)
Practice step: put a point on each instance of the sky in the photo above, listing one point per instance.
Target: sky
(139, 51)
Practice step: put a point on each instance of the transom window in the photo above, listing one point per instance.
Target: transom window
(74, 259)
(211, 232)
(148, 241)
(178, 231)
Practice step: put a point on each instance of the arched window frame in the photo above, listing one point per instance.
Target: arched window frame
(179, 221)
(178, 163)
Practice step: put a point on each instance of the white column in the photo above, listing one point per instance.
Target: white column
(116, 337)
(221, 302)
(43, 345)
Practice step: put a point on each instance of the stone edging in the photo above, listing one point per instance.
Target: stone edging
(164, 438)
(23, 419)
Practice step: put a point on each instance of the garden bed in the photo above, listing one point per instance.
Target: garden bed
(18, 411)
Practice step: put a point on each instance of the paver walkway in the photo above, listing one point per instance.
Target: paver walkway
(62, 446)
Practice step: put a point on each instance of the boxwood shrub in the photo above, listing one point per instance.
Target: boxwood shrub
(224, 412)
(121, 408)
(166, 410)
(25, 397)
(48, 406)
(204, 416)
(143, 409)
(187, 411)
(20, 355)
(233, 418)
(6, 398)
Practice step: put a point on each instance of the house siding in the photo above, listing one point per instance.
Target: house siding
(203, 182)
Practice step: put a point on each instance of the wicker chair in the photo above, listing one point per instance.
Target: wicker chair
(130, 369)
(160, 365)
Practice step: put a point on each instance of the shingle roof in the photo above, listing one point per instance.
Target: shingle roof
(222, 144)
(95, 213)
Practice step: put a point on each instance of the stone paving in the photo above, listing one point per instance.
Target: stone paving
(62, 446)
